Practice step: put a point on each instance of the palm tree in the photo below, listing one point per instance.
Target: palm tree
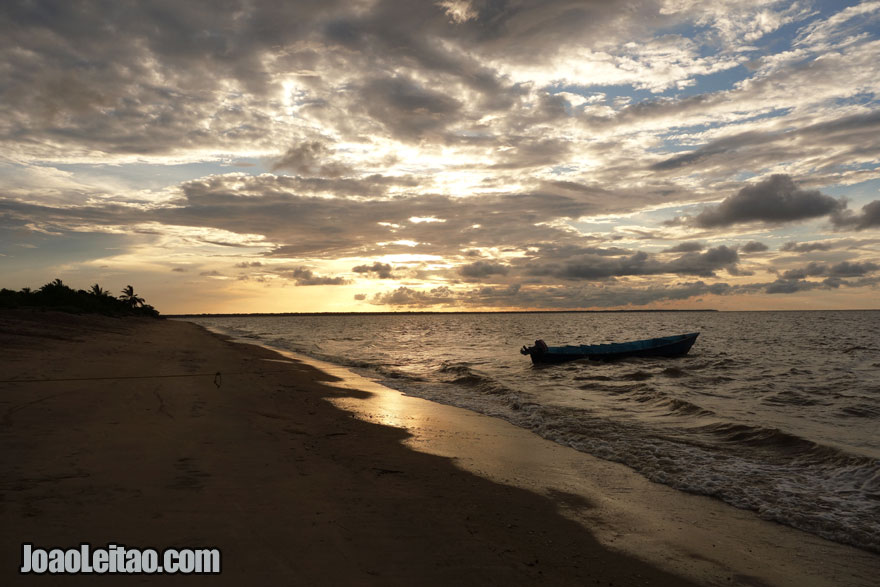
(129, 297)
(54, 285)
(98, 291)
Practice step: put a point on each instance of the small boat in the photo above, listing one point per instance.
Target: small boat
(665, 346)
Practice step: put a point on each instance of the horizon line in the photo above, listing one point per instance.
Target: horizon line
(392, 312)
(440, 312)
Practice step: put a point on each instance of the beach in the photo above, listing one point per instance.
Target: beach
(120, 431)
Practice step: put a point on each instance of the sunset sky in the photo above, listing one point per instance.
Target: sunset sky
(247, 156)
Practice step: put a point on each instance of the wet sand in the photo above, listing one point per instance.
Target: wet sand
(131, 442)
(695, 536)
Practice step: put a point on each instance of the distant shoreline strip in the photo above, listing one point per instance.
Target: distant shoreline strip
(428, 313)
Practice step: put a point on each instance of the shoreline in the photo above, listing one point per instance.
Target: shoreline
(699, 537)
(270, 469)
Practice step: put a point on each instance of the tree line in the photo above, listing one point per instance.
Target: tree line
(56, 295)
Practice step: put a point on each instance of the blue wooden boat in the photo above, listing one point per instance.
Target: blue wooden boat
(665, 346)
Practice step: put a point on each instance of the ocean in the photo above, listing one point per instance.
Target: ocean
(775, 412)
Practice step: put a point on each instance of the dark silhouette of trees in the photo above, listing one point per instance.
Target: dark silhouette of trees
(129, 297)
(97, 290)
(56, 295)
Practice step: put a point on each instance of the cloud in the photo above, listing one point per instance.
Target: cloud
(305, 276)
(789, 286)
(406, 296)
(794, 285)
(776, 199)
(622, 295)
(595, 267)
(406, 108)
(842, 269)
(686, 247)
(377, 269)
(840, 138)
(721, 146)
(522, 152)
(312, 159)
(869, 217)
(481, 269)
(302, 225)
(754, 247)
(703, 264)
(549, 297)
(275, 216)
(797, 247)
(821, 33)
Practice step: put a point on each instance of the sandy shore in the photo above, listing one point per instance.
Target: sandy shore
(295, 490)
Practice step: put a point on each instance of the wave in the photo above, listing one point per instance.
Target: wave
(791, 397)
(462, 374)
(860, 411)
(684, 407)
(637, 376)
(784, 445)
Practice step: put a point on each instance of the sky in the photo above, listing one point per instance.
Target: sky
(376, 155)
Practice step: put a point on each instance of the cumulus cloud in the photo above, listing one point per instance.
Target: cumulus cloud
(794, 285)
(595, 267)
(797, 247)
(305, 276)
(842, 269)
(406, 296)
(704, 264)
(776, 199)
(754, 247)
(789, 286)
(311, 158)
(686, 247)
(377, 270)
(869, 217)
(408, 109)
(480, 269)
(836, 275)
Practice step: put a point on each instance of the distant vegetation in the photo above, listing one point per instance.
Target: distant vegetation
(57, 296)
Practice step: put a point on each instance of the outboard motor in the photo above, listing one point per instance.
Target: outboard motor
(540, 347)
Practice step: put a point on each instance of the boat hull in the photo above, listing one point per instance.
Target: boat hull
(667, 346)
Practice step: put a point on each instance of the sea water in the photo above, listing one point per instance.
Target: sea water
(776, 412)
